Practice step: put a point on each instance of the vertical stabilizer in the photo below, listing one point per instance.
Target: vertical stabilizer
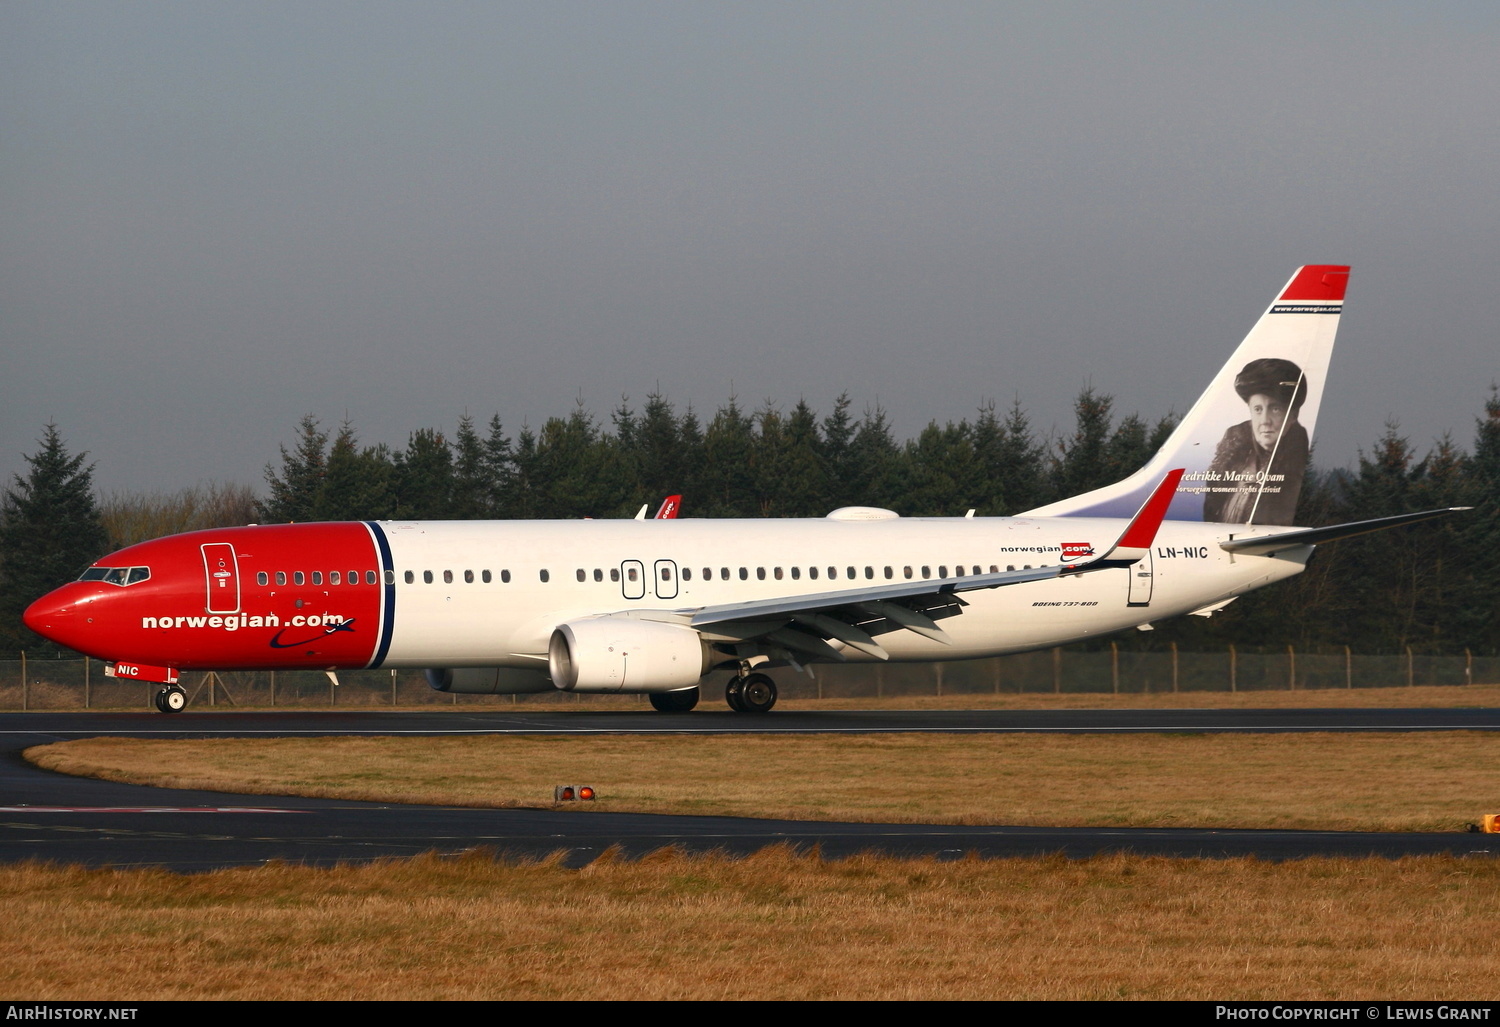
(1244, 444)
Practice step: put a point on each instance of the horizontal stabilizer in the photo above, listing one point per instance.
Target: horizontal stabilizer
(1264, 544)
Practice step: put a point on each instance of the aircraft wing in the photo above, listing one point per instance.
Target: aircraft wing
(1261, 545)
(855, 615)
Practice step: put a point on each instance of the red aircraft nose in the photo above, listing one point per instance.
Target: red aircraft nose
(56, 617)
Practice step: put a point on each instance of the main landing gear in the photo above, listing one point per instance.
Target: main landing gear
(680, 701)
(751, 693)
(171, 699)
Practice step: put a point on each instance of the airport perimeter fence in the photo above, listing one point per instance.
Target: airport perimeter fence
(76, 683)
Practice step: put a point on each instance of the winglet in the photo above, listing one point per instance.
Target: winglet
(1141, 531)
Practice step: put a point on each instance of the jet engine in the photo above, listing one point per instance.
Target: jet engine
(621, 654)
(488, 680)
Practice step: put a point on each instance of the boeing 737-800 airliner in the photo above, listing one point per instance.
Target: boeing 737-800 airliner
(652, 606)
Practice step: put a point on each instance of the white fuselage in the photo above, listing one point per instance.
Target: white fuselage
(544, 573)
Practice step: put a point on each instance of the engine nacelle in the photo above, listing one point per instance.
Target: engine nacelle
(488, 680)
(620, 654)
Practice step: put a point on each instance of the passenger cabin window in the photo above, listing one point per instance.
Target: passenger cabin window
(632, 574)
(851, 575)
(298, 578)
(426, 577)
(505, 577)
(926, 571)
(812, 572)
(687, 574)
(760, 574)
(869, 572)
(545, 576)
(390, 577)
(906, 571)
(447, 577)
(614, 574)
(484, 576)
(744, 573)
(317, 577)
(262, 578)
(776, 571)
(833, 572)
(889, 573)
(334, 578)
(410, 578)
(468, 577)
(281, 577)
(724, 573)
(583, 575)
(598, 574)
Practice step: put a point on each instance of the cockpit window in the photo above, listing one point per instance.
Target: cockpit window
(116, 575)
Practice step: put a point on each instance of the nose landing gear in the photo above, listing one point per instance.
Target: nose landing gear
(751, 693)
(171, 699)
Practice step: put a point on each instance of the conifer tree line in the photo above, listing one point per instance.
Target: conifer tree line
(1435, 588)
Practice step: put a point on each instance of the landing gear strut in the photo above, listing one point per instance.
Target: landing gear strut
(171, 699)
(753, 693)
(680, 701)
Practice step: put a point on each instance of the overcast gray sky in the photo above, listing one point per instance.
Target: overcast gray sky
(217, 217)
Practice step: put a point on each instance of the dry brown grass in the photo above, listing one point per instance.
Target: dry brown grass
(771, 926)
(108, 696)
(1398, 782)
(1433, 696)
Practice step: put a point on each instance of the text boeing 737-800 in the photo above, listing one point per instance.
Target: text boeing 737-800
(651, 606)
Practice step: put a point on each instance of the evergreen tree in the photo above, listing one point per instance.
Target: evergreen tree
(876, 459)
(660, 461)
(500, 469)
(294, 492)
(727, 477)
(473, 487)
(1020, 465)
(987, 491)
(50, 530)
(940, 466)
(804, 474)
(839, 457)
(1128, 450)
(690, 441)
(1476, 617)
(424, 477)
(357, 484)
(1083, 458)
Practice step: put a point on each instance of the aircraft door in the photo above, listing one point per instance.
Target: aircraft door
(1141, 576)
(666, 579)
(633, 579)
(223, 577)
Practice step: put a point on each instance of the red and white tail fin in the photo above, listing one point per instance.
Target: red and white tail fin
(1244, 444)
(668, 509)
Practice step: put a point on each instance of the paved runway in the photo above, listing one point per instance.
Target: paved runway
(51, 817)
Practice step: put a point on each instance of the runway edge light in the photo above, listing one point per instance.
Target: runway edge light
(573, 793)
